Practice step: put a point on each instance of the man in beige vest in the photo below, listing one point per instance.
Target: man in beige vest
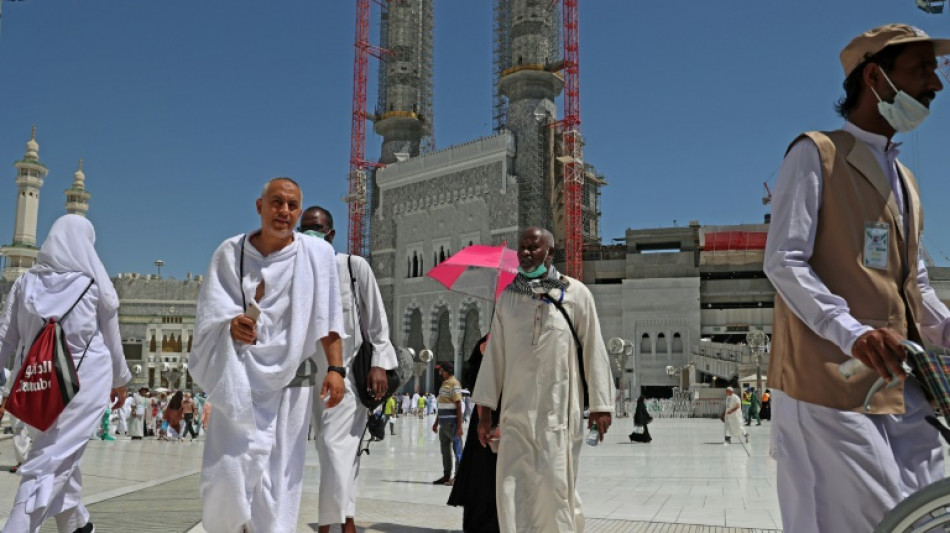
(843, 255)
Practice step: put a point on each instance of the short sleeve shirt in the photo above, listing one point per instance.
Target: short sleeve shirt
(449, 393)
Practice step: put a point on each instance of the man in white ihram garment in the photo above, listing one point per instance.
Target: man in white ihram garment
(270, 301)
(67, 270)
(339, 430)
(733, 421)
(844, 255)
(531, 361)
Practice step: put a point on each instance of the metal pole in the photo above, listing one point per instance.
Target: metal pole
(758, 369)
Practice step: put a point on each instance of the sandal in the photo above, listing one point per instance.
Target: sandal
(13, 469)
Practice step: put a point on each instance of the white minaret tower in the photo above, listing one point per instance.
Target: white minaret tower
(77, 199)
(30, 174)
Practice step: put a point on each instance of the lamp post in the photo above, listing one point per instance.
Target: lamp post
(159, 263)
(757, 339)
(621, 349)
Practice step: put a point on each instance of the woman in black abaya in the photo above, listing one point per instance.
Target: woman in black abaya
(474, 488)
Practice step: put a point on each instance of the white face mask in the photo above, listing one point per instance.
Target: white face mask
(905, 112)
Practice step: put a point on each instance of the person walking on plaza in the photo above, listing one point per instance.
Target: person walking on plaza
(137, 404)
(389, 411)
(205, 415)
(174, 417)
(188, 410)
(340, 429)
(448, 422)
(270, 301)
(767, 405)
(844, 255)
(641, 418)
(732, 417)
(533, 359)
(67, 275)
(754, 408)
(746, 399)
(474, 487)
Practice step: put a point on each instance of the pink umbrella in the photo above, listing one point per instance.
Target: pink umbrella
(479, 270)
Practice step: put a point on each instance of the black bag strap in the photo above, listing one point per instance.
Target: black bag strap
(356, 296)
(577, 342)
(241, 278)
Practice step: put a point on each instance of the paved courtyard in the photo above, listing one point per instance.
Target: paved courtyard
(686, 480)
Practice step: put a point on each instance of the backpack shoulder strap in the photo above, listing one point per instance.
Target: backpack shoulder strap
(77, 301)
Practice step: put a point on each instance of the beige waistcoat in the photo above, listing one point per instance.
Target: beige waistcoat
(855, 190)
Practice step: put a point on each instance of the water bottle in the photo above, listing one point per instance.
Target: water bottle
(593, 438)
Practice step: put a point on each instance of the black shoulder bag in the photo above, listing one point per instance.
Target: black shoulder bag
(363, 361)
(577, 342)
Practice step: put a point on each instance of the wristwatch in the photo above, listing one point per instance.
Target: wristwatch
(338, 369)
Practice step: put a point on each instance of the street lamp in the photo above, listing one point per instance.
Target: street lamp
(757, 340)
(621, 349)
(159, 263)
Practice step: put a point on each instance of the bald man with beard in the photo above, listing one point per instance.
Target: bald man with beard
(532, 358)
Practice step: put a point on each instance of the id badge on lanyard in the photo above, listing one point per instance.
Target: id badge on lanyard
(876, 240)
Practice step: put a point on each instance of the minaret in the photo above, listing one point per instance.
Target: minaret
(528, 56)
(77, 199)
(404, 109)
(21, 255)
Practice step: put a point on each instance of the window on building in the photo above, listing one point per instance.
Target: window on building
(661, 343)
(677, 343)
(646, 347)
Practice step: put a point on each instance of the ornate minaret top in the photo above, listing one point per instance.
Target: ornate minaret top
(30, 173)
(77, 199)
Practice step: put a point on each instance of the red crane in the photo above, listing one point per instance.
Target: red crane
(358, 234)
(573, 145)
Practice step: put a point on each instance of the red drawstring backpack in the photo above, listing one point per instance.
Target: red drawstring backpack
(47, 380)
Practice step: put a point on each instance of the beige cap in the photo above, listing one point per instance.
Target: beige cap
(862, 47)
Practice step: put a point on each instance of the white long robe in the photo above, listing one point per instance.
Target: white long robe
(137, 404)
(255, 447)
(339, 429)
(531, 361)
(734, 421)
(51, 482)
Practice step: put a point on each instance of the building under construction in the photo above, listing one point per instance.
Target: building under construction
(422, 204)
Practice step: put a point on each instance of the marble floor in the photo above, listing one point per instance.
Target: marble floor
(685, 480)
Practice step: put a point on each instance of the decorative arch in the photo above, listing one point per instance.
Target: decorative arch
(661, 343)
(646, 346)
(677, 344)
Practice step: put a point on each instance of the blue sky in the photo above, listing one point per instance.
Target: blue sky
(181, 110)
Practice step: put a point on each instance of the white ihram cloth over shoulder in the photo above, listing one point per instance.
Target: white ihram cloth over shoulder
(254, 454)
(339, 429)
(531, 360)
(50, 478)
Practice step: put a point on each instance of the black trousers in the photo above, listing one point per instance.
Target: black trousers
(189, 418)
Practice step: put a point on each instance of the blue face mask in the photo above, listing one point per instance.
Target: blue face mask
(317, 234)
(541, 270)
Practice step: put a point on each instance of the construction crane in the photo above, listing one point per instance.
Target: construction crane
(358, 231)
(572, 144)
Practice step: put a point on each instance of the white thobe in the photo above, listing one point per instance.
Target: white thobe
(905, 460)
(252, 470)
(733, 422)
(137, 415)
(340, 429)
(531, 360)
(50, 478)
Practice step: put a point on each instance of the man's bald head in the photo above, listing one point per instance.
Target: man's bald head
(535, 247)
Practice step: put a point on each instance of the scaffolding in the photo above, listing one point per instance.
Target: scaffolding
(405, 76)
(501, 49)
